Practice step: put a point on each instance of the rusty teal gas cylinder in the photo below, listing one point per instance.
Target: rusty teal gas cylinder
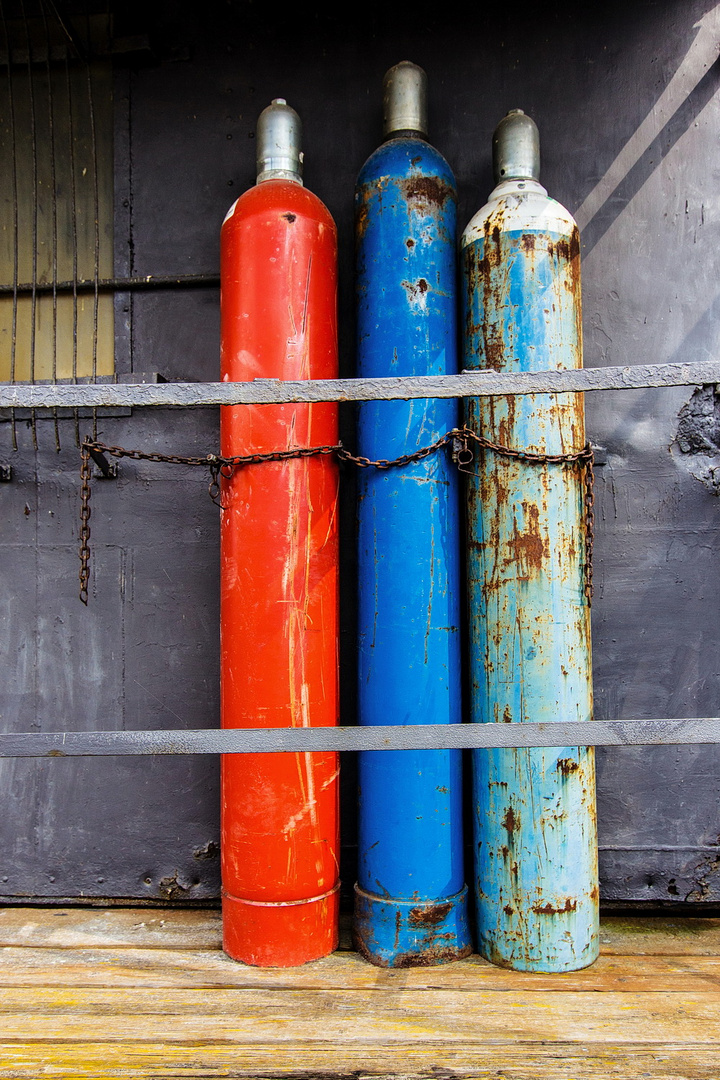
(535, 827)
(410, 898)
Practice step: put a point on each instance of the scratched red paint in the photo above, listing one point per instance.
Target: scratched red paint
(279, 589)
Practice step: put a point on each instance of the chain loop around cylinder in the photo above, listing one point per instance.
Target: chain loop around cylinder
(461, 440)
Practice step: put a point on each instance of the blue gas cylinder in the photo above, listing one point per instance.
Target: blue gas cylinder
(410, 898)
(536, 873)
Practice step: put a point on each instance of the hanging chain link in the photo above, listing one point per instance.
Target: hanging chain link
(589, 501)
(85, 474)
(461, 440)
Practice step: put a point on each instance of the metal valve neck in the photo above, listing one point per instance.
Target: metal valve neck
(405, 101)
(516, 148)
(279, 141)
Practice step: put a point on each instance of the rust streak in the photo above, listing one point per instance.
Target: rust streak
(429, 916)
(428, 190)
(528, 547)
(548, 909)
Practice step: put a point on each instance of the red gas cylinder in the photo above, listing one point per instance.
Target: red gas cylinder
(279, 564)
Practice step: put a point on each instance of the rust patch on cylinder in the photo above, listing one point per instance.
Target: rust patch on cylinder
(509, 910)
(567, 766)
(569, 250)
(429, 916)
(527, 241)
(428, 190)
(362, 216)
(494, 347)
(415, 290)
(511, 821)
(548, 909)
(430, 958)
(528, 547)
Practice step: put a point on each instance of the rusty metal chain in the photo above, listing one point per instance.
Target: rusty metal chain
(589, 500)
(463, 455)
(583, 459)
(85, 473)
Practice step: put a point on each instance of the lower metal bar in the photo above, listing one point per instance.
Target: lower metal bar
(412, 737)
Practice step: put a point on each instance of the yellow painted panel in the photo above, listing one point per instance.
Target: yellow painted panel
(47, 232)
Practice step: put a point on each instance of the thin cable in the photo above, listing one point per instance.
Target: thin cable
(33, 141)
(130, 219)
(96, 212)
(68, 33)
(54, 219)
(13, 142)
(73, 210)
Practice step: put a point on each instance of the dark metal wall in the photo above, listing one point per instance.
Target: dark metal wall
(626, 100)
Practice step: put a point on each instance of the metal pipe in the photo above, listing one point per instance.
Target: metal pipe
(410, 898)
(536, 843)
(279, 577)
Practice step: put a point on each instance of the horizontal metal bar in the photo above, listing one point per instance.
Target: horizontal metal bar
(275, 391)
(411, 737)
(123, 284)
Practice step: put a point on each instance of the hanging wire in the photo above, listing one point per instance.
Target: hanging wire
(80, 79)
(16, 247)
(33, 141)
(84, 54)
(54, 224)
(73, 211)
(96, 217)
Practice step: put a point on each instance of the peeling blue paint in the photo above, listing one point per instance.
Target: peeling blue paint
(410, 834)
(535, 830)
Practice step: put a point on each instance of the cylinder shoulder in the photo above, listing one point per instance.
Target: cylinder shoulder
(284, 196)
(406, 158)
(514, 210)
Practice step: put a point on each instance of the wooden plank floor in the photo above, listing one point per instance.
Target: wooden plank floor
(100, 993)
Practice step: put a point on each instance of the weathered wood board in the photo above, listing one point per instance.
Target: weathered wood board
(129, 993)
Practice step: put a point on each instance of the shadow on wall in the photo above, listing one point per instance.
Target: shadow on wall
(693, 85)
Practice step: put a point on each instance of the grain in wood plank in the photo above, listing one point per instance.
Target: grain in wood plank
(176, 928)
(361, 1018)
(72, 927)
(186, 968)
(679, 936)
(523, 1061)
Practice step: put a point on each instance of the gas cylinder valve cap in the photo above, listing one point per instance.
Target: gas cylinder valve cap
(516, 148)
(279, 141)
(405, 100)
